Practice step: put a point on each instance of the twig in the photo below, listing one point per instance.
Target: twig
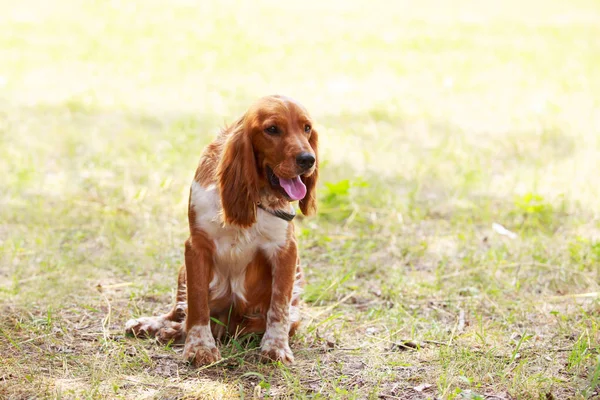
(115, 285)
(389, 396)
(452, 334)
(461, 320)
(574, 296)
(140, 383)
(106, 319)
(348, 348)
(36, 338)
(435, 342)
(590, 349)
(350, 219)
(332, 306)
(40, 276)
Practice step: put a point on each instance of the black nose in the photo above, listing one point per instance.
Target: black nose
(305, 160)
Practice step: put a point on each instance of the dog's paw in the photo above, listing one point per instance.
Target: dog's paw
(200, 347)
(171, 332)
(201, 355)
(145, 327)
(274, 350)
(164, 330)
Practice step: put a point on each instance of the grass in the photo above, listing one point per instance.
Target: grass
(437, 121)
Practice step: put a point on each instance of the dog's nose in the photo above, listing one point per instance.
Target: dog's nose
(305, 160)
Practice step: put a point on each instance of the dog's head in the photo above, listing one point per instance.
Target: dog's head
(272, 149)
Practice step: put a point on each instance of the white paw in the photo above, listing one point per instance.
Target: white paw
(276, 349)
(162, 329)
(200, 347)
(144, 326)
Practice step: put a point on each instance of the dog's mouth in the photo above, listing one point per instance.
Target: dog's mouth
(294, 189)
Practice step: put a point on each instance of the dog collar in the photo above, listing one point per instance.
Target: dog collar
(284, 215)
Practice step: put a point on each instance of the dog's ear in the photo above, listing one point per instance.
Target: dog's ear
(238, 177)
(308, 205)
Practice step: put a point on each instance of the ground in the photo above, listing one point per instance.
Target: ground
(456, 253)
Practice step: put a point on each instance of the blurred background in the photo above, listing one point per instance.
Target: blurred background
(437, 120)
(502, 97)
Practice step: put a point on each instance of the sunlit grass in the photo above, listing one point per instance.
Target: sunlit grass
(437, 120)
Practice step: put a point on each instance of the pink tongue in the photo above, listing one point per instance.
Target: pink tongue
(293, 187)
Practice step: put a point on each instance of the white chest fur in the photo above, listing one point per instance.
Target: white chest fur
(234, 247)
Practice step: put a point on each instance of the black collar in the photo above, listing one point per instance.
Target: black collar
(284, 215)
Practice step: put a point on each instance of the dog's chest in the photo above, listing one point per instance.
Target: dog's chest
(235, 247)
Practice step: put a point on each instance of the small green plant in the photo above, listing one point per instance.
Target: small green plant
(595, 251)
(523, 338)
(338, 201)
(584, 254)
(594, 379)
(533, 213)
(580, 352)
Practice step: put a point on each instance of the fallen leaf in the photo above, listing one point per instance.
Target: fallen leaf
(422, 387)
(406, 345)
(499, 229)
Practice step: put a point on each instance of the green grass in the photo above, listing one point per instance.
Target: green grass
(437, 121)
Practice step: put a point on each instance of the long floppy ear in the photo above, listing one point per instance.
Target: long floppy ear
(238, 178)
(308, 205)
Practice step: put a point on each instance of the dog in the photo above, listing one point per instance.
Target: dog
(242, 272)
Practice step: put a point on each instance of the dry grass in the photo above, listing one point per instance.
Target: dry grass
(437, 121)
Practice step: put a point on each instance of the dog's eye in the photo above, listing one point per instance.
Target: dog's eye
(307, 128)
(272, 130)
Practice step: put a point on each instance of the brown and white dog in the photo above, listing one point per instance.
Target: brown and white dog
(241, 259)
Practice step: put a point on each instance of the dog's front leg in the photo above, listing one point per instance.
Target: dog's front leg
(275, 342)
(200, 347)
